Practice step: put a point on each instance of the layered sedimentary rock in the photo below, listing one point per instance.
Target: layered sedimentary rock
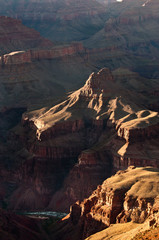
(129, 36)
(123, 33)
(96, 130)
(22, 57)
(33, 69)
(130, 195)
(62, 21)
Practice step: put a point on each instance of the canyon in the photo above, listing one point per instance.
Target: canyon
(67, 20)
(124, 38)
(96, 131)
(119, 208)
(121, 34)
(79, 118)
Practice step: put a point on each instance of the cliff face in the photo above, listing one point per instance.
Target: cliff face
(121, 34)
(124, 197)
(22, 57)
(56, 156)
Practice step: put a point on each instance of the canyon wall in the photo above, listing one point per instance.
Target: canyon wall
(21, 57)
(122, 198)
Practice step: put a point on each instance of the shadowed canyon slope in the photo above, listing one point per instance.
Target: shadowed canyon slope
(16, 37)
(64, 20)
(15, 227)
(127, 38)
(98, 129)
(33, 69)
(57, 144)
(120, 34)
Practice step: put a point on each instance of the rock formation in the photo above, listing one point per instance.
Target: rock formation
(97, 130)
(129, 195)
(22, 57)
(121, 34)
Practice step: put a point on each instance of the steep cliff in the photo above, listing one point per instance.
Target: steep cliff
(129, 195)
(22, 57)
(119, 34)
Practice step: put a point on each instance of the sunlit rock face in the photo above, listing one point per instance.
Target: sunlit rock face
(127, 196)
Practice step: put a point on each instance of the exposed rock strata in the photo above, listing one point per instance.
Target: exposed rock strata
(126, 196)
(21, 57)
(112, 135)
(60, 21)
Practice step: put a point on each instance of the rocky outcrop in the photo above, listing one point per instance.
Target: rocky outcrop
(21, 57)
(30, 66)
(124, 197)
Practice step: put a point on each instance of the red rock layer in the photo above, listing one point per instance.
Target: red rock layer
(122, 198)
(21, 57)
